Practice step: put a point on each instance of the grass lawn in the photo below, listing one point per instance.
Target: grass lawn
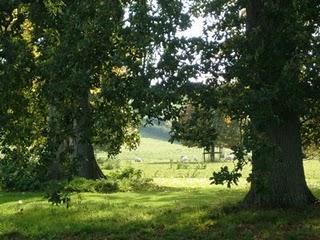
(175, 214)
(188, 208)
(160, 158)
(154, 150)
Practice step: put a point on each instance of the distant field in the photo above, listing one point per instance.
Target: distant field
(156, 150)
(160, 161)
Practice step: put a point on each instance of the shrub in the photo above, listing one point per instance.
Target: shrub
(87, 185)
(111, 164)
(18, 173)
(141, 184)
(57, 194)
(131, 179)
(81, 185)
(127, 173)
(128, 179)
(106, 186)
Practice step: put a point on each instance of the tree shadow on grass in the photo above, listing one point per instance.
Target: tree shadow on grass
(243, 225)
(176, 215)
(7, 197)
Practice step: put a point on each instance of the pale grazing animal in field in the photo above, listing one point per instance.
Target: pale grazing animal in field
(138, 159)
(243, 13)
(184, 158)
(230, 157)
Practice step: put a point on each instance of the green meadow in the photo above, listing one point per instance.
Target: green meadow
(161, 159)
(185, 206)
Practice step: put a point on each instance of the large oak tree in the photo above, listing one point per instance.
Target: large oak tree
(267, 60)
(90, 82)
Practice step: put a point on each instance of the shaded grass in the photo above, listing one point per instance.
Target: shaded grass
(184, 214)
(175, 214)
(120, 216)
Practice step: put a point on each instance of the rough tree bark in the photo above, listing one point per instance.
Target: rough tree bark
(278, 178)
(212, 154)
(75, 144)
(82, 144)
(54, 166)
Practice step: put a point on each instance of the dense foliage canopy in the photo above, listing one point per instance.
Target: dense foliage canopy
(78, 73)
(74, 74)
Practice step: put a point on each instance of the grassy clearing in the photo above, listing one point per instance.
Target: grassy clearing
(154, 150)
(175, 214)
(160, 159)
(115, 216)
(186, 208)
(156, 155)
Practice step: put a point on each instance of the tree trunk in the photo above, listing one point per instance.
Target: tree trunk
(54, 168)
(212, 153)
(83, 149)
(278, 178)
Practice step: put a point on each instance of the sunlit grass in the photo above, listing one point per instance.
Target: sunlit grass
(186, 207)
(175, 214)
(154, 150)
(118, 215)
